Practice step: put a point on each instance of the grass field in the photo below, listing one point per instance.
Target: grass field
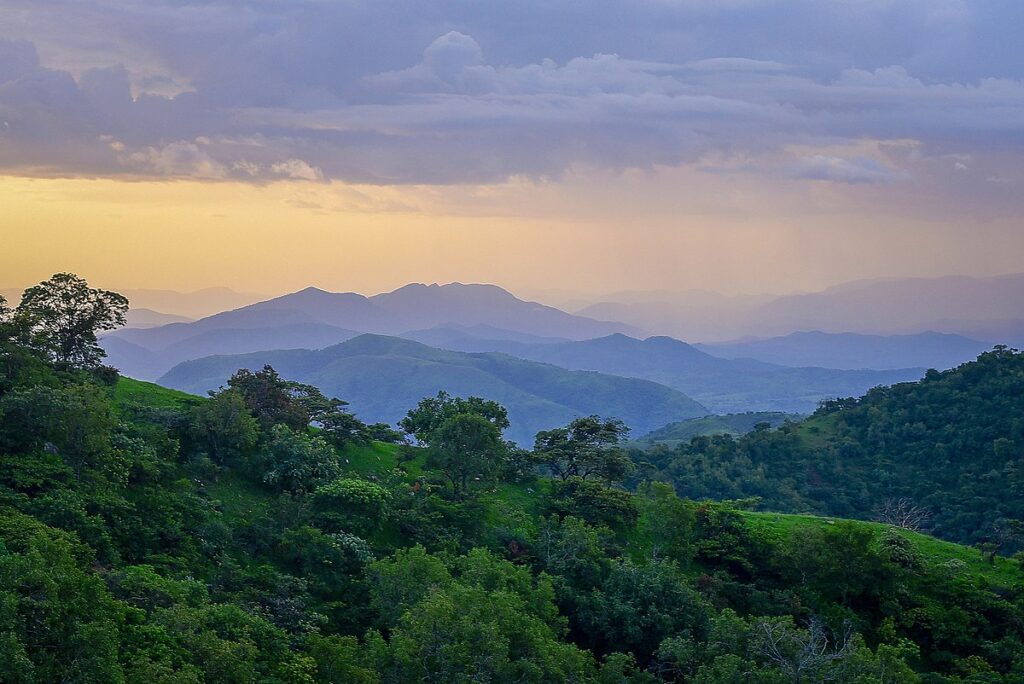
(937, 552)
(128, 391)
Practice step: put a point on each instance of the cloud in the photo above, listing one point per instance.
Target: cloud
(402, 92)
(297, 169)
(843, 170)
(451, 55)
(177, 159)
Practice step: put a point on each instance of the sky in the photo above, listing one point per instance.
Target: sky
(731, 145)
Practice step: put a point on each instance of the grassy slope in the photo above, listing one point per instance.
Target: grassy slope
(129, 391)
(1005, 572)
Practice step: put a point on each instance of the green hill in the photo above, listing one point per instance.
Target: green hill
(383, 377)
(735, 424)
(951, 445)
(129, 391)
(260, 535)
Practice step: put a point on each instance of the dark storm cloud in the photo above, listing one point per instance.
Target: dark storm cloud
(402, 92)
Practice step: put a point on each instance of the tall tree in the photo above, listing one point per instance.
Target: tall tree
(270, 398)
(587, 447)
(225, 427)
(5, 316)
(64, 314)
(466, 448)
(432, 412)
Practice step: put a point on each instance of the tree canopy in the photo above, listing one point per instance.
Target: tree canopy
(63, 316)
(586, 447)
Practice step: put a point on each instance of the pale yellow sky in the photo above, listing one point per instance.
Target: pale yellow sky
(590, 231)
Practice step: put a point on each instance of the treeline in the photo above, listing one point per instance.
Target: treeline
(945, 454)
(266, 535)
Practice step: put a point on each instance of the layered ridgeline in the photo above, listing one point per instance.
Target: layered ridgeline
(855, 351)
(313, 319)
(987, 309)
(381, 377)
(484, 318)
(950, 448)
(262, 535)
(722, 385)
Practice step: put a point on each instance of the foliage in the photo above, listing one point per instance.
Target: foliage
(350, 504)
(296, 462)
(593, 502)
(150, 536)
(948, 451)
(63, 315)
(270, 398)
(224, 425)
(424, 421)
(467, 448)
(587, 447)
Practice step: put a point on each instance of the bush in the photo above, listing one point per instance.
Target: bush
(354, 505)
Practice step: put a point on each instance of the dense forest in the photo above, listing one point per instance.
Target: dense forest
(945, 454)
(265, 534)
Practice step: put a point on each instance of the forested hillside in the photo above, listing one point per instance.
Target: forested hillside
(950, 448)
(266, 535)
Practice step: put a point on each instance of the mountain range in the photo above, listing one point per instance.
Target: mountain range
(313, 318)
(383, 377)
(722, 385)
(148, 318)
(987, 309)
(484, 318)
(854, 351)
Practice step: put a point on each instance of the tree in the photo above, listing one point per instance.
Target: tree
(297, 463)
(466, 634)
(587, 447)
(340, 427)
(357, 506)
(77, 423)
(815, 654)
(904, 513)
(466, 447)
(225, 426)
(403, 579)
(6, 320)
(491, 624)
(571, 549)
(269, 398)
(340, 659)
(64, 314)
(382, 432)
(432, 412)
(273, 400)
(59, 621)
(666, 524)
(594, 502)
(637, 607)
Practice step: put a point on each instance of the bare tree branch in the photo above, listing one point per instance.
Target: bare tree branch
(904, 513)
